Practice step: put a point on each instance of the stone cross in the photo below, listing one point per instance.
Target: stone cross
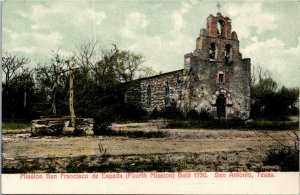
(218, 6)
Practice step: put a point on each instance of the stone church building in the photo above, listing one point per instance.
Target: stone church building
(215, 77)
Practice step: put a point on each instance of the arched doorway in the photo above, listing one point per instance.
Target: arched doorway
(221, 101)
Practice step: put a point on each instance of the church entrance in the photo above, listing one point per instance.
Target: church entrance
(221, 101)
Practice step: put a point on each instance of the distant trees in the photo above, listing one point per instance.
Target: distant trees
(11, 66)
(86, 83)
(18, 85)
(268, 101)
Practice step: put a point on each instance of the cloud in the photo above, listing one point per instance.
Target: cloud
(163, 53)
(179, 14)
(29, 42)
(134, 23)
(40, 12)
(27, 50)
(250, 16)
(79, 13)
(38, 26)
(92, 15)
(53, 38)
(273, 55)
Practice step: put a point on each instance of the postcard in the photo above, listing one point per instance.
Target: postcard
(150, 97)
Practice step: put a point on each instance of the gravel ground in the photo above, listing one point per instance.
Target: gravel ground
(224, 146)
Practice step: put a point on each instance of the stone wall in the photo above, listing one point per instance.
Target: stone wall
(152, 92)
(203, 87)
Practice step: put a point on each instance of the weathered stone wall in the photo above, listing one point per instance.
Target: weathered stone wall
(138, 93)
(203, 87)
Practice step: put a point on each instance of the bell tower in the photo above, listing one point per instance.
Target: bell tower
(217, 42)
(217, 78)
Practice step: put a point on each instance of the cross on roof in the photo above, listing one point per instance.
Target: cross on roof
(218, 6)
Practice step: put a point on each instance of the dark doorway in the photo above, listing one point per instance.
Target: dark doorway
(221, 101)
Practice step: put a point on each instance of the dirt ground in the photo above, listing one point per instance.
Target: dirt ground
(237, 150)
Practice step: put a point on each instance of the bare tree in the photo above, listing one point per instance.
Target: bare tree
(86, 57)
(52, 73)
(11, 64)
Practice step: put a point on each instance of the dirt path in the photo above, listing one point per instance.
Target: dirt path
(194, 141)
(234, 147)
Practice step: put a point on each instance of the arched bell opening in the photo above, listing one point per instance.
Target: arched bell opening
(220, 28)
(212, 51)
(228, 54)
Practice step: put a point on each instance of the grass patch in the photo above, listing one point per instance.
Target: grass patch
(15, 125)
(25, 166)
(103, 163)
(274, 125)
(234, 124)
(134, 134)
(79, 165)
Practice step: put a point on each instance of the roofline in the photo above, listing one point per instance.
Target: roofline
(151, 77)
(163, 74)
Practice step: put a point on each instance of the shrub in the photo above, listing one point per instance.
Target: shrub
(131, 112)
(7, 125)
(205, 115)
(103, 120)
(170, 112)
(192, 115)
(155, 114)
(195, 115)
(287, 158)
(134, 134)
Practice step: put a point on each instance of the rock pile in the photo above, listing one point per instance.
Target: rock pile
(54, 125)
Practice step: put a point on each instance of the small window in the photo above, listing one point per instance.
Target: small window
(148, 95)
(167, 95)
(221, 77)
(212, 51)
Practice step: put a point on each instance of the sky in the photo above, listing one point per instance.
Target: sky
(161, 31)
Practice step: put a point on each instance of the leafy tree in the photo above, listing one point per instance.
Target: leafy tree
(267, 100)
(146, 71)
(128, 63)
(98, 78)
